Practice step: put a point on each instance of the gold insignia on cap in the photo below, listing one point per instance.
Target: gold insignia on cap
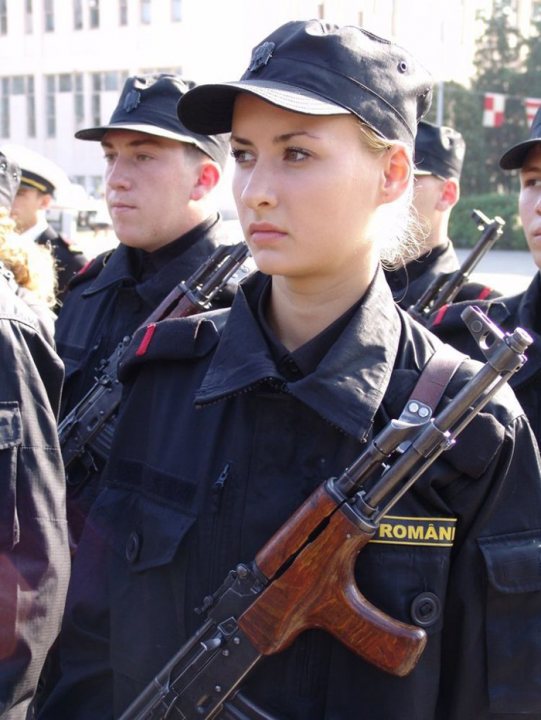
(261, 55)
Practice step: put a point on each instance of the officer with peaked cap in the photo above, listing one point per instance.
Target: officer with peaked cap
(523, 309)
(34, 554)
(35, 194)
(159, 180)
(439, 156)
(226, 428)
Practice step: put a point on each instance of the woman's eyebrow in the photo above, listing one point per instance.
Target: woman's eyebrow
(278, 139)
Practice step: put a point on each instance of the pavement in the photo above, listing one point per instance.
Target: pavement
(508, 271)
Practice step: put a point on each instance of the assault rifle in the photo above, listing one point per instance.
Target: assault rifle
(88, 428)
(304, 576)
(446, 286)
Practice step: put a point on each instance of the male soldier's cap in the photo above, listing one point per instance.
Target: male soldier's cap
(10, 177)
(515, 156)
(439, 150)
(320, 68)
(148, 103)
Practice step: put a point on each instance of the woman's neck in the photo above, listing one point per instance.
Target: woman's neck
(298, 311)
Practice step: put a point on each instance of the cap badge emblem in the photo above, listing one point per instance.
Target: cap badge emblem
(132, 100)
(261, 56)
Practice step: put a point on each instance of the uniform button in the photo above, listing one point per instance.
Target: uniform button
(132, 547)
(426, 609)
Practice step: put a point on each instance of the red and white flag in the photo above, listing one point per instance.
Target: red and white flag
(532, 105)
(494, 110)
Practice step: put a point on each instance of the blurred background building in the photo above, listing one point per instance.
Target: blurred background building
(63, 62)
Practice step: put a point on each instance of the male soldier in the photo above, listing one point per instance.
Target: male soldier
(439, 155)
(35, 194)
(523, 309)
(34, 556)
(159, 178)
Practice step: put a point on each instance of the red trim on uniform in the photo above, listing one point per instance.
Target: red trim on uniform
(439, 315)
(85, 267)
(485, 292)
(145, 342)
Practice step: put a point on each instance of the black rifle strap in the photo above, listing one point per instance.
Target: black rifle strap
(431, 384)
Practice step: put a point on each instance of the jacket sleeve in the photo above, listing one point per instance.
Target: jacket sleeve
(34, 553)
(491, 639)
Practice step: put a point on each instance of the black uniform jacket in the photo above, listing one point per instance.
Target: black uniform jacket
(68, 259)
(106, 303)
(522, 310)
(115, 294)
(409, 282)
(215, 449)
(34, 556)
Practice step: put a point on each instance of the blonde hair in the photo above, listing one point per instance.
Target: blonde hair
(399, 233)
(32, 265)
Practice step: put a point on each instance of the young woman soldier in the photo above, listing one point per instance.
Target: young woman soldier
(227, 427)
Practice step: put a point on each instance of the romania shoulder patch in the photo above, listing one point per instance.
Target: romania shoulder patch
(396, 530)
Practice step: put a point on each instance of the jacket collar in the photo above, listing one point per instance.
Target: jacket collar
(192, 249)
(348, 386)
(521, 310)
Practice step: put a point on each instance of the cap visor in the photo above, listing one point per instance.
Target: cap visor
(208, 109)
(97, 133)
(515, 156)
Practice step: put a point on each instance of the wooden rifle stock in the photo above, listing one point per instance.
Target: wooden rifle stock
(318, 590)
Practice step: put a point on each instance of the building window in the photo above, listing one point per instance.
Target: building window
(145, 14)
(176, 10)
(3, 17)
(64, 82)
(30, 107)
(94, 10)
(4, 109)
(122, 12)
(78, 101)
(28, 17)
(18, 83)
(48, 15)
(95, 101)
(77, 14)
(50, 105)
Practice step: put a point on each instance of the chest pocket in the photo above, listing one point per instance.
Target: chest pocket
(10, 442)
(512, 621)
(147, 536)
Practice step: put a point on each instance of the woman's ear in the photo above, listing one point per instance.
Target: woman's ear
(397, 172)
(207, 178)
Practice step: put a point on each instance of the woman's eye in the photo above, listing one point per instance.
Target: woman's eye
(240, 156)
(296, 154)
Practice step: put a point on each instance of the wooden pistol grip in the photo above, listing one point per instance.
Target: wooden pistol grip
(318, 590)
(288, 540)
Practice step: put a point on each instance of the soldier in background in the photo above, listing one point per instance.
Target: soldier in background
(439, 156)
(523, 309)
(159, 182)
(35, 195)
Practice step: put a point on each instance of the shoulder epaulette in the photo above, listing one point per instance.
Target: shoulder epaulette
(91, 269)
(174, 339)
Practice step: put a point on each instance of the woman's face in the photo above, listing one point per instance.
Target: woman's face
(306, 189)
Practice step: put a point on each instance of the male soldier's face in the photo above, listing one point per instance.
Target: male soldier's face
(150, 183)
(26, 206)
(530, 201)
